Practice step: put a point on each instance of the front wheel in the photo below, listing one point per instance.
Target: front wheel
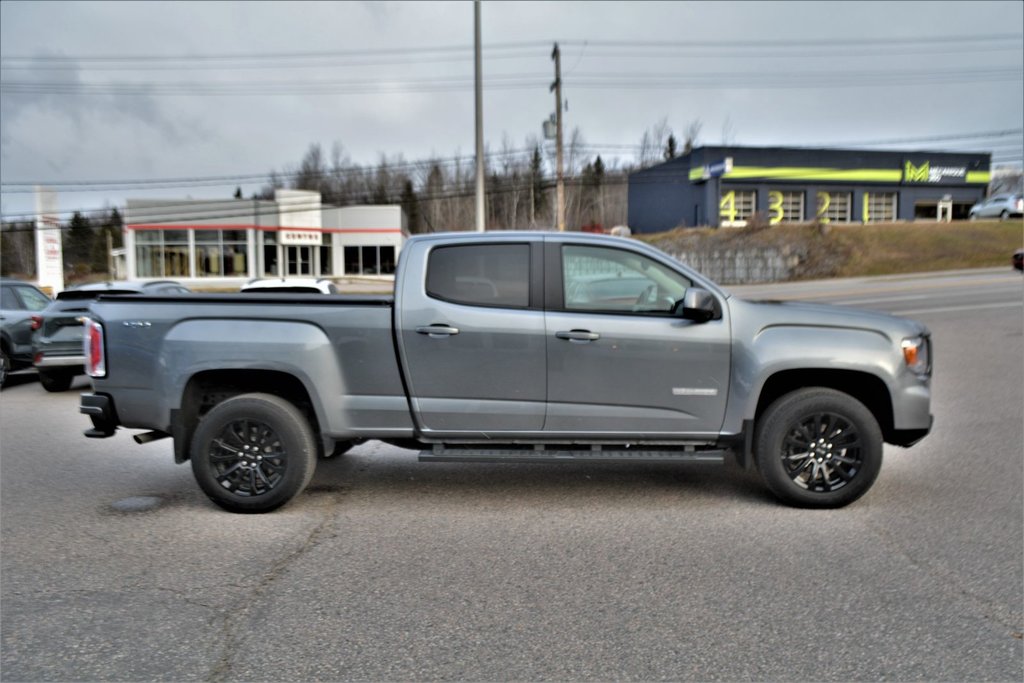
(253, 453)
(818, 448)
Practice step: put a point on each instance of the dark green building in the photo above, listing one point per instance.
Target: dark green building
(727, 186)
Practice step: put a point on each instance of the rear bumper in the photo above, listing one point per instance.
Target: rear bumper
(100, 409)
(59, 361)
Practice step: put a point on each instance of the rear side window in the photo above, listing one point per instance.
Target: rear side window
(481, 275)
(32, 298)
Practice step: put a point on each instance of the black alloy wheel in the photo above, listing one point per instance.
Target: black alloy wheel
(248, 458)
(818, 447)
(253, 453)
(822, 452)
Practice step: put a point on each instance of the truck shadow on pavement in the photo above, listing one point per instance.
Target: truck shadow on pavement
(398, 474)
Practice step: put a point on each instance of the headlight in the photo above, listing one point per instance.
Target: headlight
(917, 355)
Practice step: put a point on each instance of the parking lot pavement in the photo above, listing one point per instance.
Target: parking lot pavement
(116, 567)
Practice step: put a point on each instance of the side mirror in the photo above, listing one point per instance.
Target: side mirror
(697, 305)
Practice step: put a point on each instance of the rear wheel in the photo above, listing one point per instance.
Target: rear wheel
(253, 453)
(1004, 215)
(818, 448)
(56, 380)
(5, 366)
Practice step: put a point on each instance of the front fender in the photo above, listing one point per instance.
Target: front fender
(798, 347)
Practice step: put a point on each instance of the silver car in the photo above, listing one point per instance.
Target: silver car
(1001, 206)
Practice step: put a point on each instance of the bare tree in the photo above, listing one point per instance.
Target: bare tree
(728, 132)
(692, 135)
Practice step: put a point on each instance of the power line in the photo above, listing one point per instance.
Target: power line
(678, 44)
(265, 56)
(621, 80)
(682, 44)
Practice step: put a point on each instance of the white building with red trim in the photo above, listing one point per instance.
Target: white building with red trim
(226, 242)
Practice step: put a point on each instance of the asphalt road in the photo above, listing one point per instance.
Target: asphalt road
(115, 567)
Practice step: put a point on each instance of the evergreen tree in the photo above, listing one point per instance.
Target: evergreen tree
(537, 179)
(670, 147)
(411, 207)
(110, 225)
(78, 241)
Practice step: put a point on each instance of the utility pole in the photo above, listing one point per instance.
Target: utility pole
(479, 120)
(556, 55)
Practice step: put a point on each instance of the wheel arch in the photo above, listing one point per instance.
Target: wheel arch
(867, 388)
(207, 388)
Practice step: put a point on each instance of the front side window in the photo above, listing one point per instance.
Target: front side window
(481, 275)
(602, 280)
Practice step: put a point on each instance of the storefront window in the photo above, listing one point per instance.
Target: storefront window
(736, 207)
(326, 265)
(370, 260)
(785, 207)
(879, 206)
(269, 253)
(369, 256)
(834, 207)
(221, 253)
(352, 261)
(387, 260)
(162, 253)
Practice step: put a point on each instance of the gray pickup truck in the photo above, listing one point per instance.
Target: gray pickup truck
(512, 347)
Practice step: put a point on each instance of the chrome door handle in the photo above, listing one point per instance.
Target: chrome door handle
(578, 336)
(437, 331)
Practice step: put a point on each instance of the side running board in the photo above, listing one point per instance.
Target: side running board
(443, 453)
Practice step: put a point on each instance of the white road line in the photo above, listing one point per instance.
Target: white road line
(950, 309)
(855, 302)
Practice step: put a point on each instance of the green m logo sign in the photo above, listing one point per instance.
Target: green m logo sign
(915, 174)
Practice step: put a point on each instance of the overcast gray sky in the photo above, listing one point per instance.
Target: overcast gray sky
(89, 91)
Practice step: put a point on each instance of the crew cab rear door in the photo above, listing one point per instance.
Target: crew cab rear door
(620, 363)
(471, 335)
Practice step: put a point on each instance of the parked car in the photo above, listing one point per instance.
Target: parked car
(18, 301)
(1018, 259)
(295, 285)
(56, 346)
(1001, 206)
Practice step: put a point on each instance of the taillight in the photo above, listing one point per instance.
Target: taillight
(95, 351)
(37, 322)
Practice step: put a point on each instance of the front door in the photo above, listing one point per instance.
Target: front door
(619, 361)
(472, 338)
(299, 260)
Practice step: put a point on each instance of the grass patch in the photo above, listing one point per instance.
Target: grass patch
(917, 247)
(861, 250)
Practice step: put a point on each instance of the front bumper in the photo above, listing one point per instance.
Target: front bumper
(100, 409)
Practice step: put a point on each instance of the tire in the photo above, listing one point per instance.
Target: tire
(1004, 215)
(253, 453)
(801, 437)
(5, 366)
(972, 216)
(56, 381)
